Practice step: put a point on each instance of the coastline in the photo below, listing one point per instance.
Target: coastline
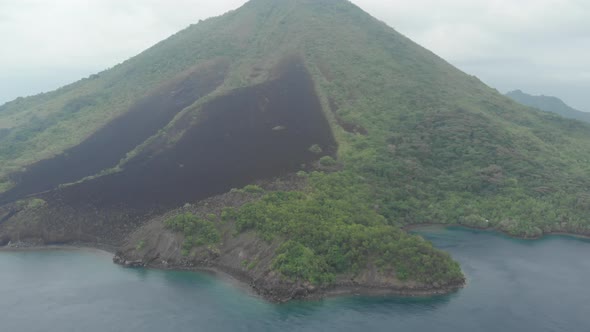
(286, 292)
(104, 249)
(281, 294)
(344, 290)
(411, 227)
(245, 283)
(111, 251)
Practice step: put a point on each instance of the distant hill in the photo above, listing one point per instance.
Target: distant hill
(549, 104)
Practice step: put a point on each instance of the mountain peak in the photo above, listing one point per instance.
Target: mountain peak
(311, 7)
(297, 2)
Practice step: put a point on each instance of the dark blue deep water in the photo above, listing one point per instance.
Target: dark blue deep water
(514, 285)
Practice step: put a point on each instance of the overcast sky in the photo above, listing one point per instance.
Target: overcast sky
(539, 46)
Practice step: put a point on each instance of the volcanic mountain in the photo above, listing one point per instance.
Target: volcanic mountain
(287, 143)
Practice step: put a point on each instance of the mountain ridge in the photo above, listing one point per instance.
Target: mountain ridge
(549, 104)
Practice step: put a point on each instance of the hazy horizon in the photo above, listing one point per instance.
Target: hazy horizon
(539, 47)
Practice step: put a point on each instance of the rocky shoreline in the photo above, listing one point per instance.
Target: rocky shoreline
(271, 289)
(265, 284)
(279, 291)
(498, 230)
(37, 246)
(260, 282)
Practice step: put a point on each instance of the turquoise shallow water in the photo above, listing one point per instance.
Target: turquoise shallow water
(514, 285)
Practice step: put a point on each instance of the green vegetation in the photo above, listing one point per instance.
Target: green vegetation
(32, 203)
(140, 245)
(197, 232)
(252, 189)
(327, 161)
(298, 262)
(333, 230)
(316, 149)
(249, 265)
(441, 146)
(302, 174)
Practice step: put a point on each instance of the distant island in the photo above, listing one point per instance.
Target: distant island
(287, 143)
(549, 104)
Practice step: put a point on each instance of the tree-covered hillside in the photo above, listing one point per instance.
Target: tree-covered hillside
(418, 140)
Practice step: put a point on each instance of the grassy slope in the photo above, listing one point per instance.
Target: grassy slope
(441, 146)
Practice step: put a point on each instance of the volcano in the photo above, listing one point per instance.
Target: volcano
(287, 143)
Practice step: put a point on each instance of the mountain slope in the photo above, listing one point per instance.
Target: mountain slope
(381, 132)
(549, 104)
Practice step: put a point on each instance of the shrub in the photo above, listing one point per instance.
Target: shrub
(302, 174)
(297, 262)
(197, 231)
(252, 189)
(140, 245)
(316, 149)
(327, 161)
(228, 214)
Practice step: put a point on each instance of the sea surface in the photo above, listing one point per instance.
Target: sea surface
(513, 285)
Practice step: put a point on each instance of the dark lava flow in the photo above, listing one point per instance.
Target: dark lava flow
(252, 133)
(106, 147)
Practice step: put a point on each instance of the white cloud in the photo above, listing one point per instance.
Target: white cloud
(542, 46)
(89, 32)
